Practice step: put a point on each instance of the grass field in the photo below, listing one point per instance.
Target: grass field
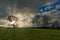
(29, 34)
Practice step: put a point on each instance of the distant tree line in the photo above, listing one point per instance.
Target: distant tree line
(45, 21)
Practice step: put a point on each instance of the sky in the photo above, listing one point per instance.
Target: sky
(18, 5)
(26, 7)
(55, 5)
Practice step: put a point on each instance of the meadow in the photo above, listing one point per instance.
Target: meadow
(29, 34)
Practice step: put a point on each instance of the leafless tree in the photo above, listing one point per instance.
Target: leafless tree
(45, 19)
(36, 20)
(55, 25)
(12, 18)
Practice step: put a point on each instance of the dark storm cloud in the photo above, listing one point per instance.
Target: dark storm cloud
(20, 4)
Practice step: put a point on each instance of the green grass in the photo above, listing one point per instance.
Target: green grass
(29, 34)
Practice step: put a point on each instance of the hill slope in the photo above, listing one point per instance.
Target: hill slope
(29, 34)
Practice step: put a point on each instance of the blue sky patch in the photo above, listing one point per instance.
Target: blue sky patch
(53, 6)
